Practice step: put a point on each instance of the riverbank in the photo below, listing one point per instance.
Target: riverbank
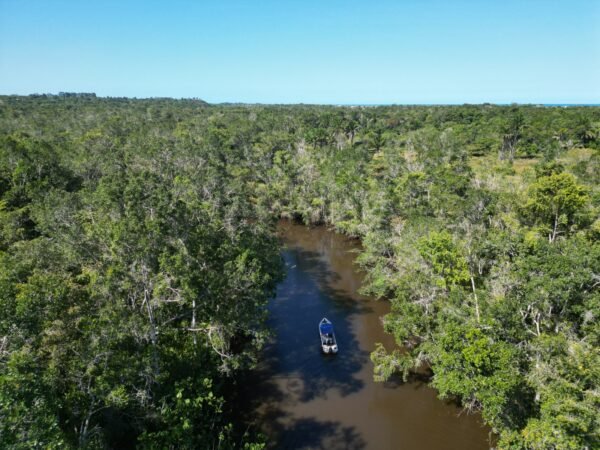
(302, 399)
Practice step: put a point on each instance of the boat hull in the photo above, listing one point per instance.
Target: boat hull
(329, 350)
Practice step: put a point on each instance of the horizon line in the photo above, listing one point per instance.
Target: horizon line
(74, 94)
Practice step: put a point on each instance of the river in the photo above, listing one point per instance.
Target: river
(302, 399)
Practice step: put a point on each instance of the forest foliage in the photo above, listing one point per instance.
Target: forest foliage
(137, 254)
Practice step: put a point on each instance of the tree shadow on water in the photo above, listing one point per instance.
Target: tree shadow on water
(303, 299)
(294, 371)
(309, 433)
(416, 380)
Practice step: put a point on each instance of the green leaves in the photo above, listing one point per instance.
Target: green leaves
(439, 250)
(28, 413)
(482, 371)
(129, 268)
(137, 255)
(565, 376)
(556, 202)
(391, 363)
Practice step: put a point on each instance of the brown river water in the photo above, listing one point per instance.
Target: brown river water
(302, 399)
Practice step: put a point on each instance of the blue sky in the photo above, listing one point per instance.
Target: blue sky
(327, 51)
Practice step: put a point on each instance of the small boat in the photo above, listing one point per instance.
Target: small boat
(328, 342)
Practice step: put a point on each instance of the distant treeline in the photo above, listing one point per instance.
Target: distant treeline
(137, 254)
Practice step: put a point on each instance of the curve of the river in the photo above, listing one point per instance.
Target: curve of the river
(303, 399)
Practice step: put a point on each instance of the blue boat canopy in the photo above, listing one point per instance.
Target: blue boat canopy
(326, 328)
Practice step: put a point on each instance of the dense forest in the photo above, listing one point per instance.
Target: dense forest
(138, 253)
